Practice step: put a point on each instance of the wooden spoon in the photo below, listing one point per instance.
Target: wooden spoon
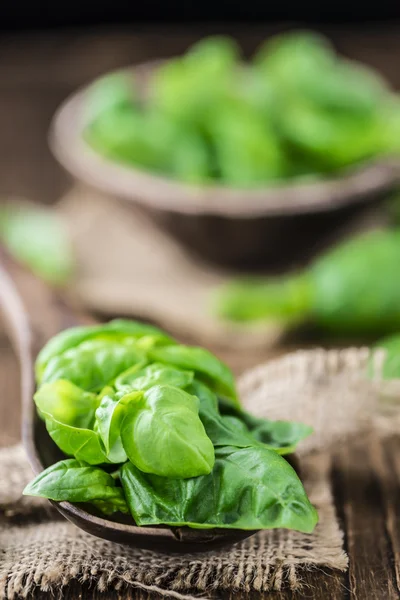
(33, 314)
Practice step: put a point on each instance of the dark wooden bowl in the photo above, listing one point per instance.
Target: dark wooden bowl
(230, 226)
(33, 314)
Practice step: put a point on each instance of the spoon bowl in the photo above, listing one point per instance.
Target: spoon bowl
(25, 300)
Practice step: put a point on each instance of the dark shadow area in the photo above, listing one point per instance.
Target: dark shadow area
(22, 14)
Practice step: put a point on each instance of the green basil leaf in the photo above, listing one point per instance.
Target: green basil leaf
(235, 427)
(116, 504)
(207, 398)
(67, 403)
(220, 429)
(37, 238)
(116, 330)
(94, 363)
(154, 374)
(249, 488)
(391, 366)
(203, 363)
(282, 436)
(163, 434)
(110, 92)
(227, 431)
(109, 416)
(83, 444)
(75, 481)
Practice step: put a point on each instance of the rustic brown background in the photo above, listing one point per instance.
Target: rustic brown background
(37, 71)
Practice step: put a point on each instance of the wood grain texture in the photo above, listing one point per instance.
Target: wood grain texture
(36, 73)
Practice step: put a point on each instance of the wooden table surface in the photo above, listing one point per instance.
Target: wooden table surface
(37, 71)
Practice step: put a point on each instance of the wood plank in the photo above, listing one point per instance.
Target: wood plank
(359, 486)
(386, 464)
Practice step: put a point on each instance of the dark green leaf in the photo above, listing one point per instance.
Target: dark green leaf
(75, 481)
(249, 488)
(282, 436)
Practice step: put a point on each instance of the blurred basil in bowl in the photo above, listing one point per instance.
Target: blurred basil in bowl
(235, 157)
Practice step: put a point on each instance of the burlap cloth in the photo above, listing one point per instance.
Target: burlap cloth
(328, 389)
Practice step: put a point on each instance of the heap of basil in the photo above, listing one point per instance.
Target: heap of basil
(155, 429)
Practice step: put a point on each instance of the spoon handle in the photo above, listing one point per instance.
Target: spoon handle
(33, 313)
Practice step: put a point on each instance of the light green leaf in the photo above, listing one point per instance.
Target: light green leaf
(163, 434)
(94, 363)
(37, 238)
(154, 374)
(109, 416)
(391, 366)
(117, 330)
(83, 444)
(67, 403)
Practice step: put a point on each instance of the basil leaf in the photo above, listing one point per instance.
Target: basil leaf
(282, 436)
(220, 429)
(109, 416)
(94, 363)
(154, 374)
(391, 366)
(116, 330)
(37, 238)
(249, 488)
(67, 403)
(203, 363)
(75, 481)
(241, 429)
(116, 504)
(83, 444)
(163, 434)
(223, 432)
